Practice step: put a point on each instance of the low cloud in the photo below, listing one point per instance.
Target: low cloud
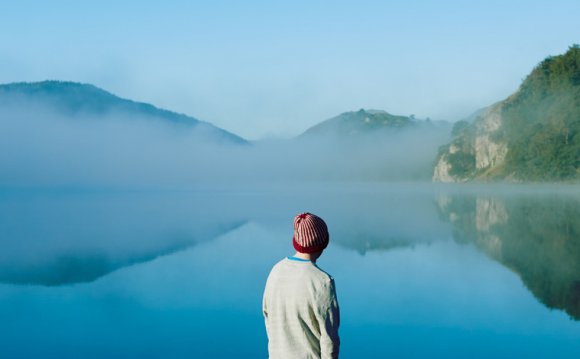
(42, 147)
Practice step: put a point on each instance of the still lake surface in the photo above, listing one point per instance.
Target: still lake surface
(421, 270)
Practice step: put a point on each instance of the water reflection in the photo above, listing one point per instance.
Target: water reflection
(68, 238)
(63, 239)
(164, 273)
(383, 221)
(535, 235)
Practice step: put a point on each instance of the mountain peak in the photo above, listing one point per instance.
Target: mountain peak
(72, 98)
(375, 112)
(54, 89)
(359, 122)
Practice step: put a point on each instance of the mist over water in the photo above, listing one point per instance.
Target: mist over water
(162, 272)
(41, 146)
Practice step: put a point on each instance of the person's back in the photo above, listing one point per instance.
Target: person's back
(300, 305)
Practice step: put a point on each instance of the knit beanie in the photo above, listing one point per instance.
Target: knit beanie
(310, 233)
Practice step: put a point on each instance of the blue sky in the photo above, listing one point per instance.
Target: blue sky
(274, 68)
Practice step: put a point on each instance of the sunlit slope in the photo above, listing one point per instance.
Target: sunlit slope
(533, 135)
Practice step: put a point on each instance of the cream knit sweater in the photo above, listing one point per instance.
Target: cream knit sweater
(301, 311)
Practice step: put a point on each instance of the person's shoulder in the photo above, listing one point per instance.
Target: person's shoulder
(325, 285)
(280, 262)
(322, 275)
(279, 265)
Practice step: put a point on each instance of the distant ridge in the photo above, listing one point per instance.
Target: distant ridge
(72, 98)
(359, 122)
(371, 144)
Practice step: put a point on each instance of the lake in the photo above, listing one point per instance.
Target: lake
(421, 270)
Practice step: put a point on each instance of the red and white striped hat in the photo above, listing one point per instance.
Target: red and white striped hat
(310, 233)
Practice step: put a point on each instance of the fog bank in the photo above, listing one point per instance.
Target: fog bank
(42, 147)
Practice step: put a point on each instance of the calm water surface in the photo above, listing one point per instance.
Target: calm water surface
(421, 270)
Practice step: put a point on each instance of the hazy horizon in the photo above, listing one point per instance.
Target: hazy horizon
(261, 70)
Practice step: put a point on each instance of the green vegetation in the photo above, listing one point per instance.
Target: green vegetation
(542, 122)
(462, 163)
(360, 122)
(459, 127)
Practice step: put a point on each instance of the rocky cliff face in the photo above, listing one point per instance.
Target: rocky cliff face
(442, 169)
(533, 135)
(473, 152)
(489, 153)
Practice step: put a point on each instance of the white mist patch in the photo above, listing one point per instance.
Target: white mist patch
(43, 147)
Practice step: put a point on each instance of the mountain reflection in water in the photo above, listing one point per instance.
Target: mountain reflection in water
(535, 235)
(64, 239)
(161, 273)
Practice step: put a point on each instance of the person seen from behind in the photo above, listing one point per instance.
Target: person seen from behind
(300, 305)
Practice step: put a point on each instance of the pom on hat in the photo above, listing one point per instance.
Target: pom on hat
(310, 233)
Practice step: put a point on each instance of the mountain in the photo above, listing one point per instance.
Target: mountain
(533, 135)
(71, 99)
(359, 122)
(371, 145)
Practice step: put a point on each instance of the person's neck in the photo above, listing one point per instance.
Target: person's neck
(307, 256)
